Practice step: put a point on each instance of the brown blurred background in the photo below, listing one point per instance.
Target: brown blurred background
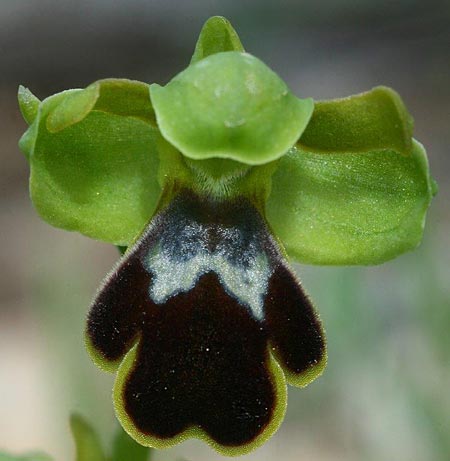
(385, 394)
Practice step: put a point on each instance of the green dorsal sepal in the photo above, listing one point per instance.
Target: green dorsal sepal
(217, 35)
(230, 105)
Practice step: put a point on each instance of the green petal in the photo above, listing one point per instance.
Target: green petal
(217, 35)
(94, 160)
(230, 105)
(114, 96)
(365, 122)
(72, 109)
(87, 443)
(350, 208)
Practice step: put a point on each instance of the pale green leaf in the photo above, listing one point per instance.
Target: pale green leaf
(127, 449)
(87, 442)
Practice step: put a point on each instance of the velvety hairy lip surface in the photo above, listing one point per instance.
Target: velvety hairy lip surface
(295, 333)
(210, 358)
(204, 343)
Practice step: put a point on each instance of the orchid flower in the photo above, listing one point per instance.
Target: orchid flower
(214, 183)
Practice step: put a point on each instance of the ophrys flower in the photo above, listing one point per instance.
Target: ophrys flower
(212, 182)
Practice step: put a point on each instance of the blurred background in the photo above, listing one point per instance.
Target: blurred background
(385, 394)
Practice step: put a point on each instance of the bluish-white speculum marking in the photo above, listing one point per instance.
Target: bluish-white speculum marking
(190, 244)
(247, 285)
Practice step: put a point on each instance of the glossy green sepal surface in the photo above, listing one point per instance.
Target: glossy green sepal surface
(350, 208)
(217, 35)
(230, 105)
(93, 160)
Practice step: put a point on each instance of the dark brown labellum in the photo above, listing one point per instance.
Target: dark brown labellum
(208, 298)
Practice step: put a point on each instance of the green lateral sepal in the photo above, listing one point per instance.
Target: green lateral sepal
(94, 161)
(28, 103)
(350, 208)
